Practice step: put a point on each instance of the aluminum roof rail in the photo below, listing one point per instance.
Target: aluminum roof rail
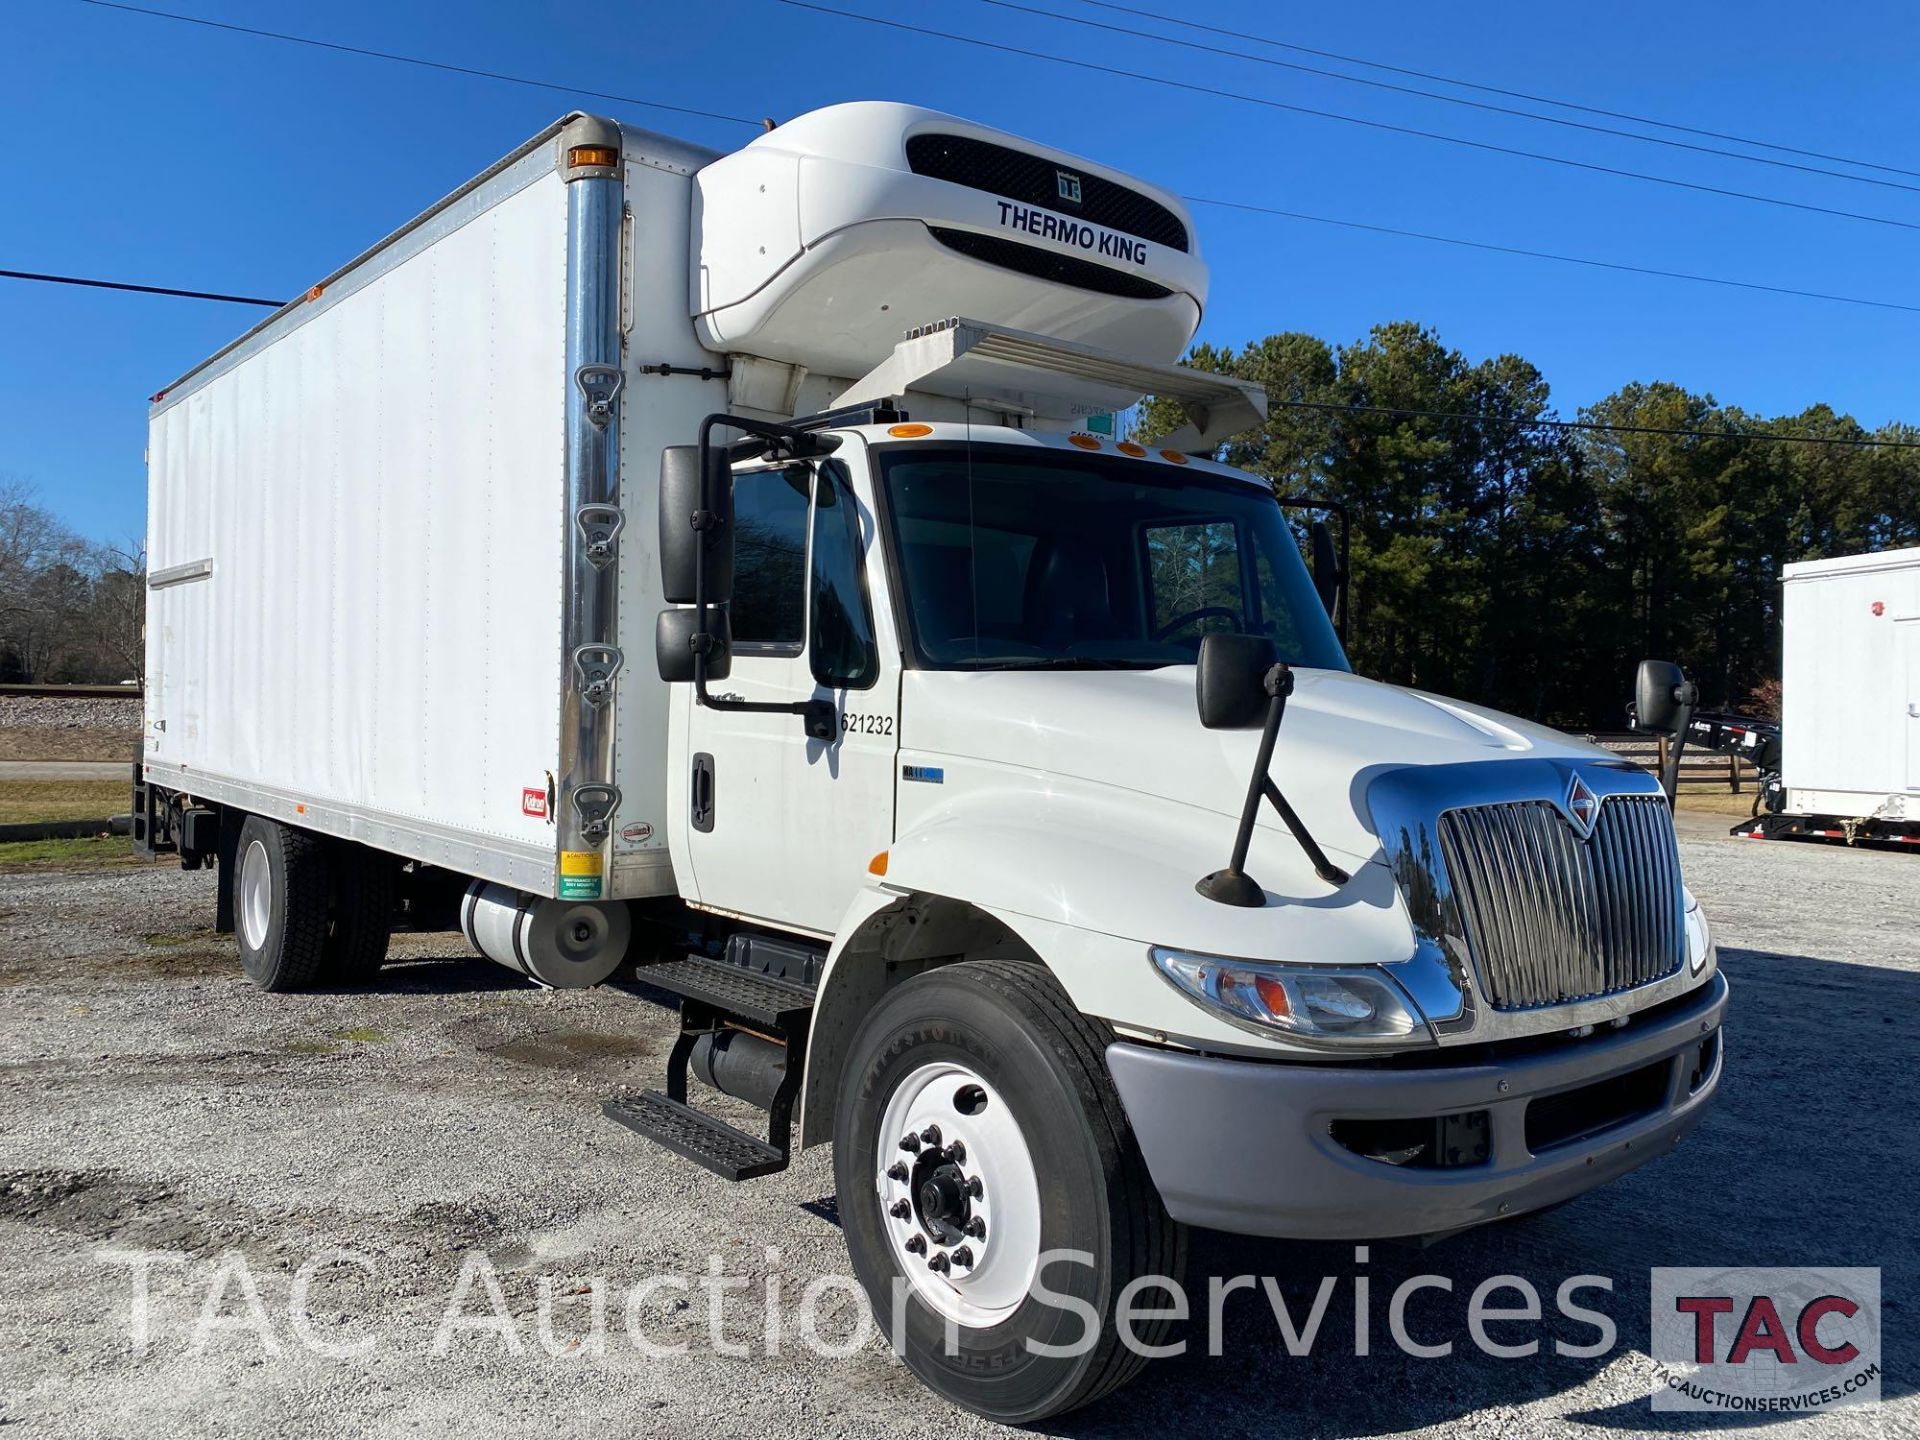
(1013, 369)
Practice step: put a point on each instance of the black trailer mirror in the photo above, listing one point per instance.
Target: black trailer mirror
(1230, 680)
(685, 493)
(1661, 693)
(1328, 577)
(675, 635)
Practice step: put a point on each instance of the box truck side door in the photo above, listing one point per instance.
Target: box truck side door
(1909, 720)
(782, 826)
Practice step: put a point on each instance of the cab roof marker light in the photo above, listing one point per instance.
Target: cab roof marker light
(909, 432)
(1173, 457)
(1128, 447)
(1085, 442)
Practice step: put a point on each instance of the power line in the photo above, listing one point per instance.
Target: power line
(1193, 199)
(1497, 89)
(1219, 93)
(139, 289)
(1601, 426)
(1549, 255)
(1452, 99)
(416, 60)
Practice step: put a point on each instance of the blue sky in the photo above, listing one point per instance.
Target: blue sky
(146, 150)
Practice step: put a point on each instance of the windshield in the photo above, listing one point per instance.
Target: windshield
(1016, 557)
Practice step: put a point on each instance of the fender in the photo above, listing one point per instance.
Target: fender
(1085, 879)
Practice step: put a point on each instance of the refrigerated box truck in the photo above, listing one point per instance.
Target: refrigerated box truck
(709, 569)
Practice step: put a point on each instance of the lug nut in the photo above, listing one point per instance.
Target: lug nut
(931, 1135)
(963, 1256)
(975, 1188)
(977, 1228)
(900, 1209)
(898, 1171)
(911, 1144)
(938, 1262)
(957, 1153)
(916, 1245)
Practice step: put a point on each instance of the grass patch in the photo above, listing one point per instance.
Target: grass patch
(22, 801)
(92, 853)
(362, 1035)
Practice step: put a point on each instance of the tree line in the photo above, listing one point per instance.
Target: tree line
(71, 609)
(1529, 567)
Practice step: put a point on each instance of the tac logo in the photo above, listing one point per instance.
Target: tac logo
(1583, 806)
(1774, 1340)
(1069, 185)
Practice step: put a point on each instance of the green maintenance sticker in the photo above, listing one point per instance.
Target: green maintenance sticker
(580, 872)
(1099, 424)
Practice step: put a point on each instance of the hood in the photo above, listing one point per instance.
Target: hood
(1139, 730)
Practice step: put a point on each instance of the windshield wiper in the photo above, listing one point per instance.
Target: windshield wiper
(1054, 662)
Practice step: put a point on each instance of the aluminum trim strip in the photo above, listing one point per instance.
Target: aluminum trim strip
(180, 574)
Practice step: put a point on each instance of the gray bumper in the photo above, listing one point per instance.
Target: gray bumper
(1245, 1145)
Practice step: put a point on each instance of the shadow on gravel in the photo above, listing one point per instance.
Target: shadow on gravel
(1807, 1158)
(465, 975)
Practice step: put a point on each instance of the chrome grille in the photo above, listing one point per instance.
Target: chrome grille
(1552, 918)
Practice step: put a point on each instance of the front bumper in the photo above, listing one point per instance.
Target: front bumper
(1248, 1146)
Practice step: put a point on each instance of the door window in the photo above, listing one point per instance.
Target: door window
(844, 655)
(769, 610)
(1193, 574)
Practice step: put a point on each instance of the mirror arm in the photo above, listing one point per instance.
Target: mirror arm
(1233, 886)
(1685, 697)
(817, 714)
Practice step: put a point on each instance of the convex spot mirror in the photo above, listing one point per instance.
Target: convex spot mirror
(1230, 680)
(1660, 691)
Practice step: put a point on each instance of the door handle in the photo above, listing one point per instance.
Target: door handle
(702, 797)
(1913, 711)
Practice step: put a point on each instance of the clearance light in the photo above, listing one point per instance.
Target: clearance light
(878, 865)
(581, 155)
(1173, 457)
(1085, 442)
(1320, 1006)
(1127, 447)
(909, 432)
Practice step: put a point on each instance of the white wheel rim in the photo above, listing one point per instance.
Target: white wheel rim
(256, 895)
(997, 1225)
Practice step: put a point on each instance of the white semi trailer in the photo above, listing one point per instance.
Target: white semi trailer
(705, 562)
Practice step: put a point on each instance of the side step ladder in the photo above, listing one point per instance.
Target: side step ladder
(715, 996)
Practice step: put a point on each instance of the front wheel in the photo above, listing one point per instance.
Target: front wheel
(991, 1189)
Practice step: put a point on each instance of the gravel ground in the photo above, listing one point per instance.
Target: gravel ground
(150, 1100)
(52, 727)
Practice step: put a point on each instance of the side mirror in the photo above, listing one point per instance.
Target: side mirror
(1229, 680)
(1327, 576)
(1661, 695)
(684, 491)
(673, 638)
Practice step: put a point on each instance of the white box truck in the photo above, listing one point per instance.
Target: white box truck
(706, 563)
(1848, 742)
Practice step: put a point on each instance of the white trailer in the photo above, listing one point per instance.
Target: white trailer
(1850, 711)
(702, 566)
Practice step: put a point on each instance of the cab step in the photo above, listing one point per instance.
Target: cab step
(731, 1154)
(719, 996)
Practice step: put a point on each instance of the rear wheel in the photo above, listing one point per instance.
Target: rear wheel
(280, 904)
(361, 922)
(977, 1131)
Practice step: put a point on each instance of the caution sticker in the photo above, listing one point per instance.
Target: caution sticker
(580, 874)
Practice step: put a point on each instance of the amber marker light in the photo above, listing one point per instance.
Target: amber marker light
(909, 432)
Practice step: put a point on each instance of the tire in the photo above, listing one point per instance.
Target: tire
(1072, 1168)
(361, 919)
(280, 904)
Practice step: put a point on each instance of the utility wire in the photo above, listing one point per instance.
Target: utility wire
(1451, 99)
(1549, 255)
(1170, 83)
(139, 289)
(1495, 89)
(1601, 426)
(1191, 199)
(416, 60)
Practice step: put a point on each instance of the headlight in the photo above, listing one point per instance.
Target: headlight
(1303, 1002)
(1699, 937)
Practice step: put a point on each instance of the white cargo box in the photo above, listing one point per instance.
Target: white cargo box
(366, 541)
(1850, 678)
